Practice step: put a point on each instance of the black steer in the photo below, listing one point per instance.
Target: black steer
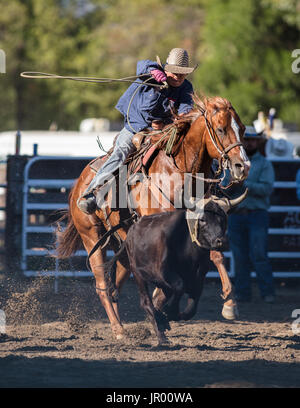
(161, 252)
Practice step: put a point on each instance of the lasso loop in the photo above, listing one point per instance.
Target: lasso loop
(45, 75)
(131, 79)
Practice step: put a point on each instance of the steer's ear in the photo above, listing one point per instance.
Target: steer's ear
(222, 202)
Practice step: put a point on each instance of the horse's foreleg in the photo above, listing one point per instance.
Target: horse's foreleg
(230, 310)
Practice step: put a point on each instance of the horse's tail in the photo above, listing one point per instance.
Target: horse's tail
(68, 240)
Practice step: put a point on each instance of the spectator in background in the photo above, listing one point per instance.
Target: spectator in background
(298, 184)
(248, 226)
(272, 113)
(261, 123)
(279, 148)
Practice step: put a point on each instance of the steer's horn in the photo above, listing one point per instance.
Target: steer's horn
(227, 204)
(238, 200)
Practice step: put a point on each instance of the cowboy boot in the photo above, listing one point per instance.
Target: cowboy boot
(87, 203)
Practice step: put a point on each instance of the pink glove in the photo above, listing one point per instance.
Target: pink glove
(158, 75)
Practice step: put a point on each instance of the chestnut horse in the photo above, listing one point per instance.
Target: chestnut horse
(212, 130)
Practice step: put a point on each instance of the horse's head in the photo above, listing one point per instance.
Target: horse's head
(224, 136)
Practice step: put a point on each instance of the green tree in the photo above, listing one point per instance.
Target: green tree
(35, 37)
(244, 50)
(104, 39)
(246, 56)
(129, 31)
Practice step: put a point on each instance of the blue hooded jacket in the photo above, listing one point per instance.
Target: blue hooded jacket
(151, 103)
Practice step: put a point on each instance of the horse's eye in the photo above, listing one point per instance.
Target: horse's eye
(221, 131)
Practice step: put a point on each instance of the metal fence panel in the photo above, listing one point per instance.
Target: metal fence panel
(47, 181)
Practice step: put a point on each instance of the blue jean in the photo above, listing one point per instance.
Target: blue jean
(123, 148)
(248, 240)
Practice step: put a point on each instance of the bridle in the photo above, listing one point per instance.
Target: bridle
(223, 152)
(223, 160)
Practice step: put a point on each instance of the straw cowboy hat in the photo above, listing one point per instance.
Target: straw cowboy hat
(177, 62)
(279, 148)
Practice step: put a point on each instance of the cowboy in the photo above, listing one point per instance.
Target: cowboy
(248, 225)
(144, 106)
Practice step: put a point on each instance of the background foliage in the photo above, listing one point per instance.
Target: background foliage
(243, 49)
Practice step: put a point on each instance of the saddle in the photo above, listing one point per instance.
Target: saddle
(146, 149)
(141, 158)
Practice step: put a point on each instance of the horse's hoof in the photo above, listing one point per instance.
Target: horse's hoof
(162, 344)
(120, 334)
(230, 312)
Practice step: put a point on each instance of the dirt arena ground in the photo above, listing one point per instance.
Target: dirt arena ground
(64, 340)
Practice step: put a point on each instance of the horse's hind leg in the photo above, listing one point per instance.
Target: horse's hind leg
(89, 240)
(110, 307)
(230, 310)
(89, 228)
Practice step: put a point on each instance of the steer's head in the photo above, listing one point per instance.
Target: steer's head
(212, 222)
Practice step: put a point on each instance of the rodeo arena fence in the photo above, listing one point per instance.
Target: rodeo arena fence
(37, 191)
